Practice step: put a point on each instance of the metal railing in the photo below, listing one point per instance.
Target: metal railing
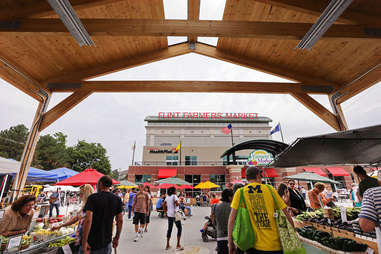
(183, 163)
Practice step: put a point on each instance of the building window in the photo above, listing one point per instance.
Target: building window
(194, 180)
(219, 180)
(142, 178)
(171, 160)
(190, 160)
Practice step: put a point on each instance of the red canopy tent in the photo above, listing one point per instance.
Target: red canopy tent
(185, 186)
(89, 176)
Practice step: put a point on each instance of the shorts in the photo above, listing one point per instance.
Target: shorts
(147, 218)
(139, 218)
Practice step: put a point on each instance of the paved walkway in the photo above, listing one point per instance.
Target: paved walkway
(155, 239)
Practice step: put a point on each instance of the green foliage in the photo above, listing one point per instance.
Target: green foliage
(85, 155)
(12, 141)
(52, 152)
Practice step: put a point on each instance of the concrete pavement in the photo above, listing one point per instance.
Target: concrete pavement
(154, 240)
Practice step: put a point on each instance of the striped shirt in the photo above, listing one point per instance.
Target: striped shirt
(371, 205)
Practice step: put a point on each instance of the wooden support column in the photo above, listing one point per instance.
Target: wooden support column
(63, 107)
(193, 14)
(338, 111)
(318, 109)
(30, 146)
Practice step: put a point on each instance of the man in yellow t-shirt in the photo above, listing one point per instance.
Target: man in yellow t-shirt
(260, 204)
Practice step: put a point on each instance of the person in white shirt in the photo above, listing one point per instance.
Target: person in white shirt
(172, 204)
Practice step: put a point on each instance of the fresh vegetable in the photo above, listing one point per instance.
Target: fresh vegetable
(60, 243)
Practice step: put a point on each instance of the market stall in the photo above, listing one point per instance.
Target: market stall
(334, 230)
(40, 238)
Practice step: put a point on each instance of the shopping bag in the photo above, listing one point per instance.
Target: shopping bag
(243, 234)
(290, 241)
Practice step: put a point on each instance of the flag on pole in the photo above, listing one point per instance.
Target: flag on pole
(276, 129)
(178, 147)
(227, 129)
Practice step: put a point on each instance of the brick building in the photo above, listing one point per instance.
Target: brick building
(202, 144)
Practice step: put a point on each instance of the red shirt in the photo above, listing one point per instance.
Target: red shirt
(214, 201)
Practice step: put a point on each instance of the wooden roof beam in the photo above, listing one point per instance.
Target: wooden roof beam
(207, 28)
(39, 8)
(180, 86)
(272, 69)
(318, 109)
(64, 106)
(368, 79)
(20, 79)
(193, 14)
(315, 8)
(122, 64)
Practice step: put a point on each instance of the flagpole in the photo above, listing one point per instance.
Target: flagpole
(180, 153)
(133, 153)
(231, 133)
(281, 132)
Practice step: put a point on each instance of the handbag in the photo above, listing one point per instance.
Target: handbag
(289, 240)
(179, 215)
(243, 234)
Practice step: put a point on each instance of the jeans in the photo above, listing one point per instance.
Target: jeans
(129, 212)
(222, 247)
(51, 209)
(171, 220)
(106, 250)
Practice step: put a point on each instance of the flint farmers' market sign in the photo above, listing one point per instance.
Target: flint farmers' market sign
(260, 158)
(206, 115)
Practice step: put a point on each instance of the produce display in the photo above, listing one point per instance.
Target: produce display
(4, 242)
(326, 239)
(25, 242)
(350, 226)
(62, 242)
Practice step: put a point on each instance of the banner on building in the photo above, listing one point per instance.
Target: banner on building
(260, 158)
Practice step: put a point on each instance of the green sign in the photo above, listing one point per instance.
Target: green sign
(260, 158)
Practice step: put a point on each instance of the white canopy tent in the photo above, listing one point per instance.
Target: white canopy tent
(8, 166)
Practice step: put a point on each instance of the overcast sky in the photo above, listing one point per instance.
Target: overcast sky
(117, 120)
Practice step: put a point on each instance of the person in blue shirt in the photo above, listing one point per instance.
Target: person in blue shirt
(130, 202)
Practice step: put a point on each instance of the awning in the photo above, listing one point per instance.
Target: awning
(270, 172)
(360, 146)
(166, 172)
(338, 171)
(316, 171)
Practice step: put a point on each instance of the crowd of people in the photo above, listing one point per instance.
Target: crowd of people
(97, 224)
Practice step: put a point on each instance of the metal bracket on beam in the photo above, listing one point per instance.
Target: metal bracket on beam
(311, 88)
(9, 24)
(58, 86)
(192, 45)
(333, 101)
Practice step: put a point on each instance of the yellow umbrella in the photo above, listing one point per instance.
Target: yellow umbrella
(126, 187)
(206, 185)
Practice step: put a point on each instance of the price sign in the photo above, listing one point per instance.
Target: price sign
(66, 249)
(14, 243)
(343, 213)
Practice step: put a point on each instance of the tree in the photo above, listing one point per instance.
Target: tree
(85, 155)
(12, 141)
(51, 152)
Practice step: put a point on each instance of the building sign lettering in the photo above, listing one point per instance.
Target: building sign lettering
(162, 150)
(206, 115)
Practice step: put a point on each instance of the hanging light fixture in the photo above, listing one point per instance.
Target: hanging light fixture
(70, 19)
(324, 22)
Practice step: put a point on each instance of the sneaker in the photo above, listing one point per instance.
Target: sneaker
(141, 233)
(136, 238)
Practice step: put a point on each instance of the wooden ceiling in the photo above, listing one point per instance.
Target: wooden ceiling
(38, 53)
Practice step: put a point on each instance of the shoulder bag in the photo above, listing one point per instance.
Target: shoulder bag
(290, 241)
(243, 234)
